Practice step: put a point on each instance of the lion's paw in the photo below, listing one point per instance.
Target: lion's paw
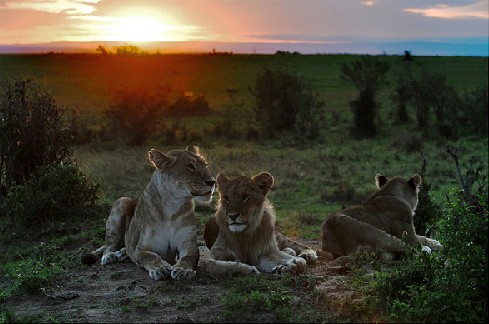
(108, 258)
(160, 273)
(183, 274)
(309, 255)
(435, 245)
(121, 255)
(254, 270)
(289, 251)
(295, 265)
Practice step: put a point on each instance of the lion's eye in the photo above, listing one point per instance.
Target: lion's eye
(245, 197)
(191, 167)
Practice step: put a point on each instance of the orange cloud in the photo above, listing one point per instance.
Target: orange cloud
(479, 9)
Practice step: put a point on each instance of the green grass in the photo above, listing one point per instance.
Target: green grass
(249, 297)
(311, 180)
(84, 81)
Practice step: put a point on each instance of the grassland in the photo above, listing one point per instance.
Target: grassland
(312, 179)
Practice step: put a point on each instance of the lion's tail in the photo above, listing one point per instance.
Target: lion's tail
(94, 256)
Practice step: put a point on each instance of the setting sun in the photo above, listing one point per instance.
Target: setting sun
(139, 28)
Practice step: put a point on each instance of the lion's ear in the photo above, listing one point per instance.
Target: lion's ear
(415, 181)
(159, 159)
(264, 182)
(380, 180)
(193, 149)
(222, 180)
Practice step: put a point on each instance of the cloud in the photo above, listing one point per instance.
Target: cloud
(479, 10)
(70, 7)
(368, 3)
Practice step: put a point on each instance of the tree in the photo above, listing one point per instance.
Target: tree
(101, 49)
(134, 113)
(283, 101)
(368, 75)
(34, 131)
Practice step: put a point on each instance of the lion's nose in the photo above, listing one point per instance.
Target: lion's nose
(233, 216)
(210, 183)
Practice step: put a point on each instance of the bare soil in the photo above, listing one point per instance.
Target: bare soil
(124, 293)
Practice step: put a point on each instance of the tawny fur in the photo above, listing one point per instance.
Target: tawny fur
(383, 224)
(158, 230)
(246, 242)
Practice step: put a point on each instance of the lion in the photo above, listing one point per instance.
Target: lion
(158, 230)
(246, 241)
(383, 224)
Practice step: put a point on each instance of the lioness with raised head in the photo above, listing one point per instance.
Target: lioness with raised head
(246, 242)
(158, 230)
(383, 224)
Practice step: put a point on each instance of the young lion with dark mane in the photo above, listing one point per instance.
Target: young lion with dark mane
(383, 224)
(158, 230)
(246, 242)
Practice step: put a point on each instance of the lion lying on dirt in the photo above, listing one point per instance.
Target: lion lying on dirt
(158, 231)
(241, 235)
(383, 224)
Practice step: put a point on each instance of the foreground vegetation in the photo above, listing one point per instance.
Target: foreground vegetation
(319, 167)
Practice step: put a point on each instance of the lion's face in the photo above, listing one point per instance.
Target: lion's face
(188, 170)
(407, 190)
(241, 200)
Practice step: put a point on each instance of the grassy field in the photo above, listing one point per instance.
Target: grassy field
(312, 179)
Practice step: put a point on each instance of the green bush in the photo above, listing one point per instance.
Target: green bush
(34, 132)
(450, 286)
(55, 192)
(368, 75)
(284, 102)
(475, 105)
(136, 114)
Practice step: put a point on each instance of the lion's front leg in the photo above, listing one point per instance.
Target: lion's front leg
(157, 267)
(219, 268)
(220, 265)
(285, 244)
(430, 243)
(188, 253)
(115, 228)
(281, 263)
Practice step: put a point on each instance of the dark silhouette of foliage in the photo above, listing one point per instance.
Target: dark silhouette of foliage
(474, 108)
(436, 103)
(368, 75)
(34, 131)
(283, 102)
(135, 114)
(186, 105)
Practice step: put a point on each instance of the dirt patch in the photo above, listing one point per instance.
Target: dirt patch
(123, 292)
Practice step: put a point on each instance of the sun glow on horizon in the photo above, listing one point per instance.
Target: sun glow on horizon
(138, 28)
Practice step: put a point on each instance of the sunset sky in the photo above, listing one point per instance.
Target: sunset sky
(319, 24)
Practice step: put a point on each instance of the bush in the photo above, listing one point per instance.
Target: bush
(34, 132)
(186, 105)
(55, 193)
(436, 103)
(284, 102)
(135, 114)
(475, 105)
(450, 286)
(367, 74)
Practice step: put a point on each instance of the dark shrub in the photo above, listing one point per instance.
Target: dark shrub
(283, 102)
(55, 192)
(34, 132)
(368, 75)
(136, 114)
